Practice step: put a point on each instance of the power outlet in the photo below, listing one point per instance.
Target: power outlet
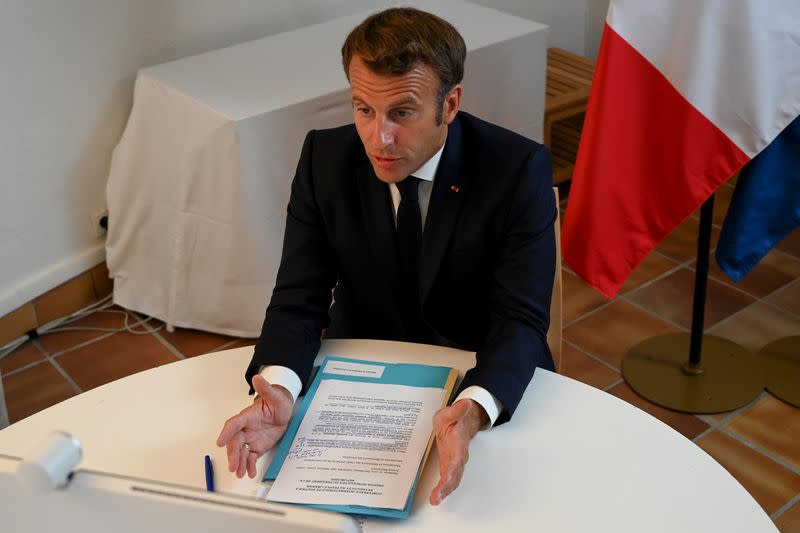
(99, 231)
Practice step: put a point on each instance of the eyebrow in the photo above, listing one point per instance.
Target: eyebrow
(405, 101)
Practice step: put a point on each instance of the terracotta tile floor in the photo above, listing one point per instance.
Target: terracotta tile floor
(759, 443)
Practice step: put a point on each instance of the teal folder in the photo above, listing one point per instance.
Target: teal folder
(393, 374)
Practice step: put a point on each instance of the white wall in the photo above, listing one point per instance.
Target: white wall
(67, 77)
(595, 21)
(67, 69)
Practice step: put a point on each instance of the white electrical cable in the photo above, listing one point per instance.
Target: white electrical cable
(13, 345)
(102, 306)
(89, 309)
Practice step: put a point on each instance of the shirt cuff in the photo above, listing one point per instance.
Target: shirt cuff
(285, 377)
(485, 399)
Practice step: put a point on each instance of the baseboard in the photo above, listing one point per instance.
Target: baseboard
(40, 282)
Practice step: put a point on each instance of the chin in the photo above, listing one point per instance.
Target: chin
(388, 177)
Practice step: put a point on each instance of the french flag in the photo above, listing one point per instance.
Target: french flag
(684, 94)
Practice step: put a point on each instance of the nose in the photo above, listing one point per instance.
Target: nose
(384, 132)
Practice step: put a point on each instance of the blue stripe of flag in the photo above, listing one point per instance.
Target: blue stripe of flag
(765, 206)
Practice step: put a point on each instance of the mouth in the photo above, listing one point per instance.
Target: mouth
(386, 162)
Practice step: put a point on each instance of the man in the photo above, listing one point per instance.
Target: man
(478, 277)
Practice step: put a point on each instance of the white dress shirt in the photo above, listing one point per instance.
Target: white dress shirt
(287, 378)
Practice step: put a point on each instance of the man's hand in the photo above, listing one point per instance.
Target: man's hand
(454, 427)
(260, 425)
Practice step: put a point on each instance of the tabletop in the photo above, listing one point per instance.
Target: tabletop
(573, 458)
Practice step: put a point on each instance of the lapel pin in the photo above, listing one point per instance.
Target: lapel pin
(454, 188)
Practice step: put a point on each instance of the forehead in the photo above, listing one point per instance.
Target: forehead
(420, 82)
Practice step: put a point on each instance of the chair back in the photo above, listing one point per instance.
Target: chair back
(556, 313)
(3, 411)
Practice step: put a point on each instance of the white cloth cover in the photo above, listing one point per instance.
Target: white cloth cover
(200, 179)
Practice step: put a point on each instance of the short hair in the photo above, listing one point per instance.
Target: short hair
(393, 41)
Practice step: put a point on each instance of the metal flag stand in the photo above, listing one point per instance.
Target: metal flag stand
(781, 361)
(719, 375)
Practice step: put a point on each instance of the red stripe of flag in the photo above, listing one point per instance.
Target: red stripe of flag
(647, 160)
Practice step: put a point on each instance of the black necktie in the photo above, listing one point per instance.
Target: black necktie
(409, 224)
(409, 240)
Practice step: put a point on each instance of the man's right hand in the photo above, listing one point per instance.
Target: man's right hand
(260, 425)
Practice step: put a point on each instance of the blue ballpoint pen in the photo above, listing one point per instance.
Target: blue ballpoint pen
(209, 474)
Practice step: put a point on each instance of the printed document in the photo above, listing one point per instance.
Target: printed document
(358, 444)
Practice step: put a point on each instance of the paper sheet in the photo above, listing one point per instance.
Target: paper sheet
(358, 444)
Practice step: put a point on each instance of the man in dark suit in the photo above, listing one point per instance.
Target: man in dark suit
(432, 225)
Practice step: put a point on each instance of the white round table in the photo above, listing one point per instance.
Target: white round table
(573, 458)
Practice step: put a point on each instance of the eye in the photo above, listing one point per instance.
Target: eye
(363, 110)
(402, 113)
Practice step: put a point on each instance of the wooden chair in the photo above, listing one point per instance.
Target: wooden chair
(556, 313)
(3, 410)
(569, 81)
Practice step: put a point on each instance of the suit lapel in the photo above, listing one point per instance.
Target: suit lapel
(449, 190)
(379, 224)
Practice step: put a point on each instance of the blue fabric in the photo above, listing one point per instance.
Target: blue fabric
(765, 207)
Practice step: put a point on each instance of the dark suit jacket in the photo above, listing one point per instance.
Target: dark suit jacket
(488, 256)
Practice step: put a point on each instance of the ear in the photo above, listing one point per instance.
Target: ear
(452, 102)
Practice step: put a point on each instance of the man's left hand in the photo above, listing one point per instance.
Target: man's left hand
(454, 427)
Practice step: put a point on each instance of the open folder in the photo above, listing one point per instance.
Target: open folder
(361, 436)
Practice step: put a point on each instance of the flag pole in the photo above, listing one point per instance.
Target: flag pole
(700, 287)
(718, 376)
